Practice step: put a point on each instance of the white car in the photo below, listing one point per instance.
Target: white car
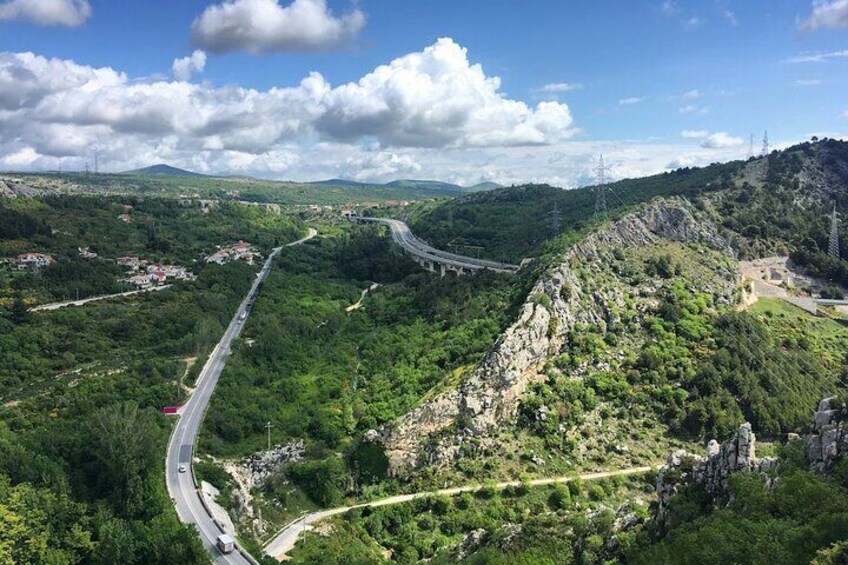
(182, 469)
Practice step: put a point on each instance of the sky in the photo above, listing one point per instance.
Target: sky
(463, 91)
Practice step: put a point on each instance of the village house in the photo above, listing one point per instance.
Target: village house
(87, 253)
(241, 250)
(33, 260)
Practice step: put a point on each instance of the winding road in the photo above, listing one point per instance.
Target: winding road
(404, 237)
(181, 486)
(286, 539)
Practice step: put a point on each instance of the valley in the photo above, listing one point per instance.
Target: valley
(471, 415)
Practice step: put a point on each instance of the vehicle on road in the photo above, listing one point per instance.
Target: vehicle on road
(243, 315)
(225, 543)
(182, 468)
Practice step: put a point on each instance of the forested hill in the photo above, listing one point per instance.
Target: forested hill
(512, 223)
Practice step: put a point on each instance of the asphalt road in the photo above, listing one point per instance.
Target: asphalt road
(57, 305)
(181, 445)
(286, 539)
(404, 237)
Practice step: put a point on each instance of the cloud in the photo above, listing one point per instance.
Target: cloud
(693, 22)
(817, 57)
(694, 134)
(730, 16)
(184, 68)
(845, 114)
(55, 111)
(722, 140)
(630, 101)
(263, 26)
(808, 82)
(692, 109)
(830, 14)
(70, 13)
(691, 94)
(556, 87)
(669, 8)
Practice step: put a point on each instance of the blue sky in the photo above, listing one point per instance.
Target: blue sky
(652, 85)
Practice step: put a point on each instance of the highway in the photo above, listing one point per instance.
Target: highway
(404, 237)
(181, 486)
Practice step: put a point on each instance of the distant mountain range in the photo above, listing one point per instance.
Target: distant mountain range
(164, 170)
(412, 184)
(430, 185)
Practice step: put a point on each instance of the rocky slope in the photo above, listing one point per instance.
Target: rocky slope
(826, 444)
(580, 291)
(13, 189)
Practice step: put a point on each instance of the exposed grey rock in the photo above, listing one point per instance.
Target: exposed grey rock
(264, 464)
(12, 189)
(490, 396)
(470, 543)
(712, 470)
(829, 440)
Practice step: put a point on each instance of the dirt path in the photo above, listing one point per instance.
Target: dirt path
(285, 540)
(358, 304)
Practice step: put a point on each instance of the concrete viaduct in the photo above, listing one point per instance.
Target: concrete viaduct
(429, 257)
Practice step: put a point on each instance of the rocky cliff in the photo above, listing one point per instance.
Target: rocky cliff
(827, 444)
(570, 294)
(711, 471)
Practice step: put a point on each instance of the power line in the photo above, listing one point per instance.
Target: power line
(833, 244)
(766, 150)
(600, 190)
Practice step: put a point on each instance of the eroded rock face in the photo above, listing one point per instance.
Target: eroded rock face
(559, 301)
(13, 189)
(264, 464)
(824, 447)
(683, 468)
(829, 440)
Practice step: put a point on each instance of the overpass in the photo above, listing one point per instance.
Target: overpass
(429, 257)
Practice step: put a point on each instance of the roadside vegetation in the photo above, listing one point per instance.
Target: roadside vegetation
(81, 389)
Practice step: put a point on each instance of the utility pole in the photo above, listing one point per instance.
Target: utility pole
(268, 427)
(555, 219)
(766, 150)
(751, 147)
(833, 244)
(600, 190)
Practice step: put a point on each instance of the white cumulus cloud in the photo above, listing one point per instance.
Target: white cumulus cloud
(556, 87)
(262, 26)
(70, 13)
(831, 14)
(722, 140)
(184, 68)
(691, 94)
(56, 111)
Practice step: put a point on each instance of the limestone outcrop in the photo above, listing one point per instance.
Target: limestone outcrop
(13, 189)
(560, 300)
(829, 440)
(710, 471)
(826, 445)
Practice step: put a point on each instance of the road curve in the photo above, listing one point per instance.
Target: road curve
(404, 237)
(181, 486)
(286, 539)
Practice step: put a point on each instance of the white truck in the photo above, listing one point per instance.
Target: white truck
(225, 543)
